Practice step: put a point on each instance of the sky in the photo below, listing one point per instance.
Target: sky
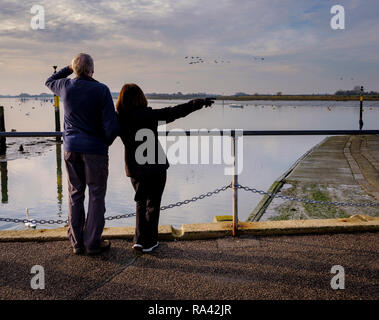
(146, 42)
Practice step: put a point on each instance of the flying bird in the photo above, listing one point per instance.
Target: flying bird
(196, 60)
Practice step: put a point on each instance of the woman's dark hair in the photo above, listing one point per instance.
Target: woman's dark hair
(131, 97)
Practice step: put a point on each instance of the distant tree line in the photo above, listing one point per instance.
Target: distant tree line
(180, 95)
(27, 95)
(355, 91)
(238, 95)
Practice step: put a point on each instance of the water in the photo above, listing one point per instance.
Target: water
(36, 179)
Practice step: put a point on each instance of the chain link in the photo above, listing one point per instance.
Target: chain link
(332, 203)
(124, 216)
(207, 195)
(200, 197)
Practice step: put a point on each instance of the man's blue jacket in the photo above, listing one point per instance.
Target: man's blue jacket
(90, 122)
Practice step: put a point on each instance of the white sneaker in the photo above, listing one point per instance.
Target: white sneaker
(137, 247)
(151, 249)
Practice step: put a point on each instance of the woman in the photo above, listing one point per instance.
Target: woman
(148, 179)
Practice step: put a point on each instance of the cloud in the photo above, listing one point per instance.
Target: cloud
(154, 35)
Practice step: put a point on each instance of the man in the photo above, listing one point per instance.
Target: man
(90, 127)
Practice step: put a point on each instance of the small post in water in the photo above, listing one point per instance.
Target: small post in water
(3, 141)
(57, 116)
(361, 110)
(235, 186)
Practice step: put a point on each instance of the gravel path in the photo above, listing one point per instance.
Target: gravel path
(285, 267)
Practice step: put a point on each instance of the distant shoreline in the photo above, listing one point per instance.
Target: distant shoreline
(299, 98)
(231, 98)
(276, 98)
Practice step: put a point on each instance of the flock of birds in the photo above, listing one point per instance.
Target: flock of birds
(23, 100)
(198, 60)
(194, 60)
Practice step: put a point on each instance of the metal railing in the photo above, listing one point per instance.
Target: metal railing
(235, 134)
(198, 132)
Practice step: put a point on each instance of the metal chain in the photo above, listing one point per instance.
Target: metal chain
(33, 221)
(333, 203)
(207, 195)
(122, 216)
(202, 196)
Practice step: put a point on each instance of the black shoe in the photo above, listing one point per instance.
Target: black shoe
(104, 246)
(146, 250)
(78, 250)
(138, 247)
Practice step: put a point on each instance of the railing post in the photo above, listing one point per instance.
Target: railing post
(3, 140)
(235, 185)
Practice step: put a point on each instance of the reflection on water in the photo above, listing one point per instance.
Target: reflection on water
(58, 152)
(35, 179)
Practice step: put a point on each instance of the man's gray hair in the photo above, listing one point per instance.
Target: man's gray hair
(83, 64)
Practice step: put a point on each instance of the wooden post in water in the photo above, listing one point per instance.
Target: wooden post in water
(3, 141)
(361, 110)
(57, 116)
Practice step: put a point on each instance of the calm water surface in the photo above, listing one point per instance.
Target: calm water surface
(36, 179)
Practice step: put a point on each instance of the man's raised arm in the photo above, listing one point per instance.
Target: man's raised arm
(57, 81)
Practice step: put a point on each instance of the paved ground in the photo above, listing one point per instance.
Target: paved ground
(341, 169)
(342, 160)
(282, 267)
